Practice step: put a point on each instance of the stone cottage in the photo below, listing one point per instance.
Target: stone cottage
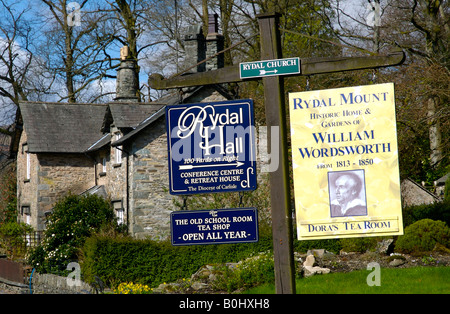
(414, 194)
(117, 150)
(51, 159)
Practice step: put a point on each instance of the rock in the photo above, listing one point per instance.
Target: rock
(161, 288)
(384, 246)
(310, 271)
(212, 277)
(232, 266)
(309, 261)
(316, 253)
(202, 273)
(298, 257)
(397, 262)
(199, 286)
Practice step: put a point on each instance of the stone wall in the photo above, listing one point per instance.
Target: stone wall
(60, 174)
(150, 201)
(52, 176)
(116, 174)
(53, 284)
(27, 188)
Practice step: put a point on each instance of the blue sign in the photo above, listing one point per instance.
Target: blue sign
(216, 226)
(211, 147)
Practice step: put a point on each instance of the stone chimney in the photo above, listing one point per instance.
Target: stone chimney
(127, 82)
(214, 44)
(195, 48)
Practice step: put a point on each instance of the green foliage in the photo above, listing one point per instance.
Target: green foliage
(360, 245)
(124, 259)
(8, 195)
(447, 191)
(331, 245)
(422, 236)
(73, 219)
(12, 238)
(252, 272)
(434, 211)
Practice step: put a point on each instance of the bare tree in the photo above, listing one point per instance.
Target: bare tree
(75, 47)
(16, 59)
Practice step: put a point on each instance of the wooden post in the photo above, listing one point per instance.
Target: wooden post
(279, 179)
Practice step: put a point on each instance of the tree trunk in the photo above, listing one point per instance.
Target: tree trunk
(434, 132)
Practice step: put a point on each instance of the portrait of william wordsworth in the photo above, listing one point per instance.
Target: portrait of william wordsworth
(347, 193)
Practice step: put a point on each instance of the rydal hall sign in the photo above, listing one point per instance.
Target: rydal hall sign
(211, 147)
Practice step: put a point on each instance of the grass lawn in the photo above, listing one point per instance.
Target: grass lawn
(392, 280)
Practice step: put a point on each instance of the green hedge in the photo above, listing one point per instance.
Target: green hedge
(123, 259)
(422, 236)
(73, 219)
(434, 211)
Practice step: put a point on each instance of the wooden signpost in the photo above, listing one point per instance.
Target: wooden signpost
(276, 116)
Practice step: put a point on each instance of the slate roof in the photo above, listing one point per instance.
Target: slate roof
(61, 127)
(81, 128)
(171, 99)
(128, 115)
(148, 121)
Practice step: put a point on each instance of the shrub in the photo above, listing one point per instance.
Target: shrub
(8, 194)
(422, 236)
(73, 219)
(434, 211)
(360, 245)
(12, 238)
(331, 245)
(124, 259)
(252, 272)
(447, 190)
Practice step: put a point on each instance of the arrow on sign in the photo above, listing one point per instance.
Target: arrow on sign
(264, 72)
(189, 167)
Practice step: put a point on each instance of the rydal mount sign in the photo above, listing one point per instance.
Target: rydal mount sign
(211, 147)
(345, 162)
(269, 68)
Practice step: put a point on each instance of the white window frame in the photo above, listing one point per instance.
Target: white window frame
(28, 172)
(104, 164)
(27, 162)
(26, 214)
(120, 216)
(119, 211)
(118, 150)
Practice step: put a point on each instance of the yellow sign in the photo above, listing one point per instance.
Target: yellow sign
(345, 162)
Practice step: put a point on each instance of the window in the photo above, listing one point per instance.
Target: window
(28, 162)
(28, 172)
(119, 210)
(104, 164)
(26, 214)
(118, 150)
